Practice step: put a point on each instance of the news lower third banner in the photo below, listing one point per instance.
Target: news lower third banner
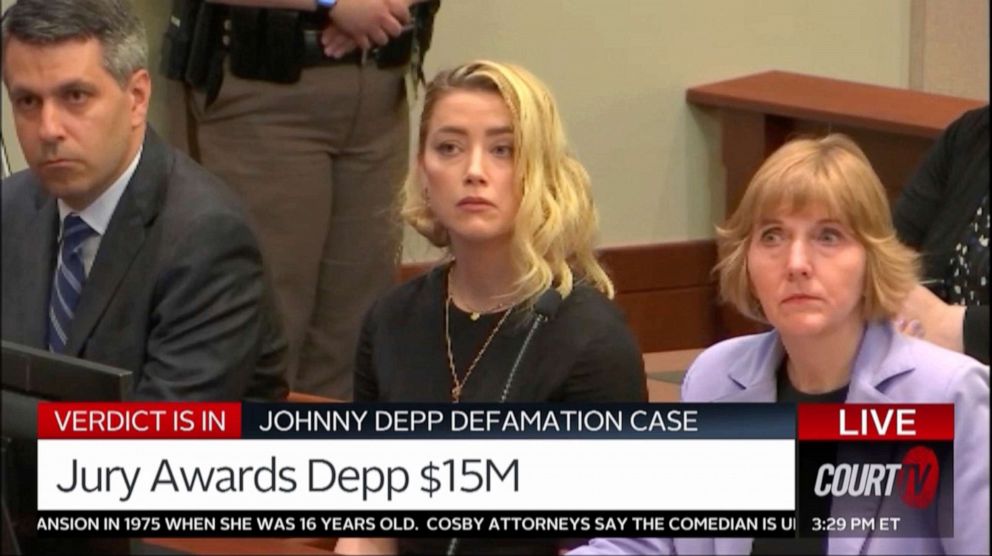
(474, 470)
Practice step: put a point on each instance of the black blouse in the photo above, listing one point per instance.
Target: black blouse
(967, 279)
(586, 353)
(787, 392)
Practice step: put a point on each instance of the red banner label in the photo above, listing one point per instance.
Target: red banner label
(137, 420)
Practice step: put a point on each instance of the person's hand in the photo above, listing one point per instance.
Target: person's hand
(370, 22)
(926, 316)
(336, 42)
(909, 327)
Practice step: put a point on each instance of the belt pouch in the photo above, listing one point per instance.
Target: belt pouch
(266, 45)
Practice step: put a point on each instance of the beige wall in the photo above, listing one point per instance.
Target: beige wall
(949, 47)
(620, 70)
(155, 14)
(13, 151)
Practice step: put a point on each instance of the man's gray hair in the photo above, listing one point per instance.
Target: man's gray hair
(112, 22)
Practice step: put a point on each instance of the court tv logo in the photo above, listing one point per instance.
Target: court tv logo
(916, 478)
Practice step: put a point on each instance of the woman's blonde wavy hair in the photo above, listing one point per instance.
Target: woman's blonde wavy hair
(834, 173)
(556, 225)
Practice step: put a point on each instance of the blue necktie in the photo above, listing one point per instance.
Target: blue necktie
(70, 275)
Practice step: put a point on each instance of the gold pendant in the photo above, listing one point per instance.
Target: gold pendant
(456, 393)
(474, 316)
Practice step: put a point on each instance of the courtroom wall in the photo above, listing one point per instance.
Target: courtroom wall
(620, 69)
(12, 150)
(949, 47)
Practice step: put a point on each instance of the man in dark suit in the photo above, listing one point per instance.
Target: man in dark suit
(117, 248)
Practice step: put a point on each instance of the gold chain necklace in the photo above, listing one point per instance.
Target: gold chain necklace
(458, 385)
(472, 312)
(475, 315)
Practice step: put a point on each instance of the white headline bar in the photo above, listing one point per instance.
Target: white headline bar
(363, 475)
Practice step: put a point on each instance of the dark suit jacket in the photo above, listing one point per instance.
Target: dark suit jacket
(177, 292)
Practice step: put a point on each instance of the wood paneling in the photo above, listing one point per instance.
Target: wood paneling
(893, 158)
(667, 292)
(654, 266)
(671, 319)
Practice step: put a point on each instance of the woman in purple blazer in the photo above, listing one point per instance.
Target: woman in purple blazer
(812, 251)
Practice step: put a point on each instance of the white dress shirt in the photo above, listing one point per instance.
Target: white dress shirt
(97, 214)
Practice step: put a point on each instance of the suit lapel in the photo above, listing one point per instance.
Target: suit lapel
(881, 356)
(39, 267)
(124, 239)
(759, 392)
(848, 507)
(755, 373)
(732, 545)
(118, 247)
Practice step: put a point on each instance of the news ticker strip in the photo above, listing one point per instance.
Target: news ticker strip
(645, 458)
(418, 524)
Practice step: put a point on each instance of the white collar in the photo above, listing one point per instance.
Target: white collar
(97, 214)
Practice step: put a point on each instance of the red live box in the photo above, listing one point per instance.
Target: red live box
(876, 422)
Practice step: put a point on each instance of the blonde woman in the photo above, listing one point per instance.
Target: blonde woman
(811, 250)
(494, 184)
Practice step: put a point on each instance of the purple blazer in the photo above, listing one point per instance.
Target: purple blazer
(889, 367)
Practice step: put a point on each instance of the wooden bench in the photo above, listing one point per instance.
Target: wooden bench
(664, 370)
